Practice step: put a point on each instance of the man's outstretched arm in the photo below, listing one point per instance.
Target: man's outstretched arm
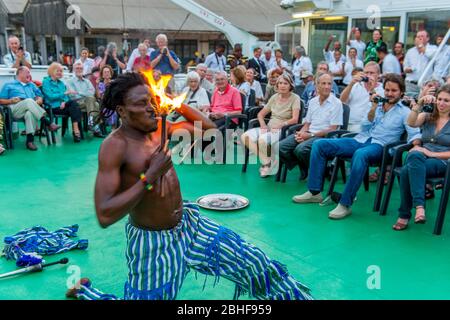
(192, 115)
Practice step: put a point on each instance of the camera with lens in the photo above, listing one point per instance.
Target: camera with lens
(364, 79)
(428, 108)
(165, 51)
(21, 49)
(379, 100)
(407, 102)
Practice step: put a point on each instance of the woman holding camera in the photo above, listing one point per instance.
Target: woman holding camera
(427, 161)
(111, 58)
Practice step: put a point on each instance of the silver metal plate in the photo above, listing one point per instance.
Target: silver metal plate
(223, 202)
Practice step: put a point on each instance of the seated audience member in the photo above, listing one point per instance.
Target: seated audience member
(210, 76)
(337, 67)
(284, 109)
(385, 124)
(351, 63)
(87, 63)
(430, 87)
(16, 56)
(56, 96)
(258, 66)
(310, 89)
(324, 115)
(280, 62)
(268, 59)
(300, 64)
(226, 100)
(388, 62)
(142, 62)
(85, 97)
(273, 75)
(237, 77)
(357, 94)
(24, 99)
(202, 70)
(428, 160)
(306, 77)
(105, 79)
(196, 96)
(135, 54)
(255, 85)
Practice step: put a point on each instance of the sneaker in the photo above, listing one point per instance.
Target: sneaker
(308, 197)
(340, 212)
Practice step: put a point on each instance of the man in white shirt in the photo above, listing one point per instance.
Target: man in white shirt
(202, 71)
(358, 92)
(416, 61)
(16, 56)
(325, 114)
(217, 60)
(300, 64)
(388, 62)
(337, 67)
(268, 59)
(136, 54)
(442, 62)
(87, 62)
(357, 43)
(329, 55)
(352, 63)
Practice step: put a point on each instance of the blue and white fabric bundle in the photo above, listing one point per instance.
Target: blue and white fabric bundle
(29, 246)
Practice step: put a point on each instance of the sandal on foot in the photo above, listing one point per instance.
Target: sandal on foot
(399, 226)
(420, 220)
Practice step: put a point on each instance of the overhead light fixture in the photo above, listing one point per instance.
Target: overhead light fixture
(300, 15)
(334, 18)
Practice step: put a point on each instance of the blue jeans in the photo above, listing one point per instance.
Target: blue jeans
(416, 170)
(362, 154)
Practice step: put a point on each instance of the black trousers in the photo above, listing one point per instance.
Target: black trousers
(72, 109)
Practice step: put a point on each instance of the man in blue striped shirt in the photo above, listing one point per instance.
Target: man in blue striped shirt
(385, 124)
(24, 99)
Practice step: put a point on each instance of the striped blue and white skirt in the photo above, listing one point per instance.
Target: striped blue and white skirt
(158, 262)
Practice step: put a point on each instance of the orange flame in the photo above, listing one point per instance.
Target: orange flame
(165, 104)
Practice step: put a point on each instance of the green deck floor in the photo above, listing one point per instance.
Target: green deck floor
(54, 187)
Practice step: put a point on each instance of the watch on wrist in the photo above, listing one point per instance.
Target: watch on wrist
(312, 135)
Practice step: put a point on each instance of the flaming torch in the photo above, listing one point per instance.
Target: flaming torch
(165, 104)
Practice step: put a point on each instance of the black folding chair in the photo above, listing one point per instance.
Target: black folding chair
(383, 165)
(64, 123)
(282, 174)
(444, 181)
